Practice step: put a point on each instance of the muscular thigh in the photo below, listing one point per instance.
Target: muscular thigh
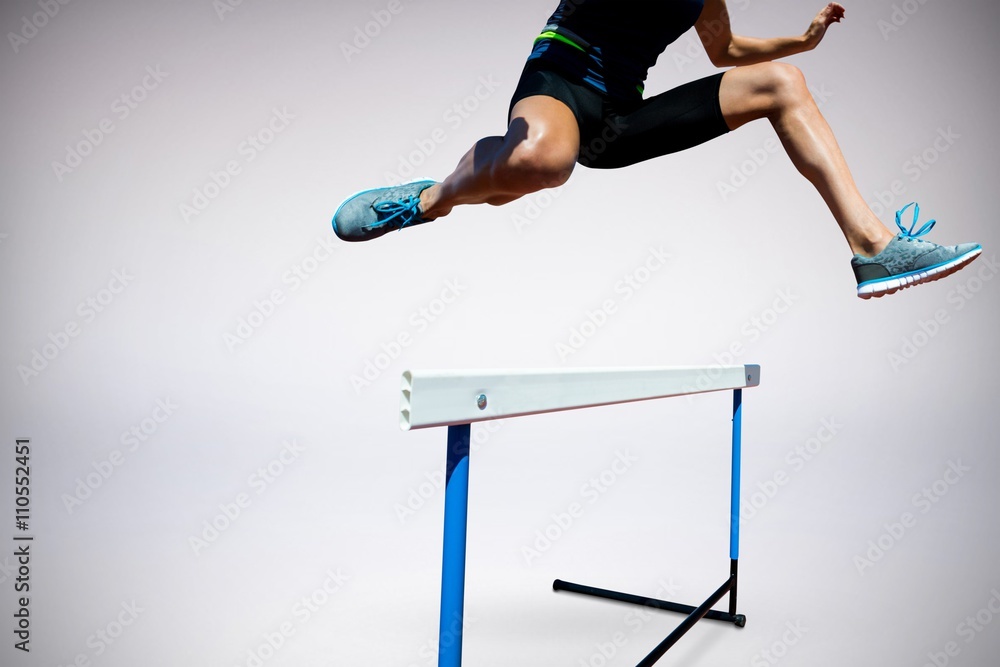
(540, 118)
(672, 121)
(757, 91)
(545, 107)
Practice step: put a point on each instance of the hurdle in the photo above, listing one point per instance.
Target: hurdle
(457, 399)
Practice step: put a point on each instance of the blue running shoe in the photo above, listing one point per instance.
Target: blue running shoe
(907, 260)
(372, 213)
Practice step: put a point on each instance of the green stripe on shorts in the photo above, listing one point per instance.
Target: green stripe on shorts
(548, 34)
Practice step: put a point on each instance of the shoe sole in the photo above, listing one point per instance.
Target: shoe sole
(894, 284)
(333, 222)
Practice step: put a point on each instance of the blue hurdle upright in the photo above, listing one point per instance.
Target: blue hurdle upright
(456, 399)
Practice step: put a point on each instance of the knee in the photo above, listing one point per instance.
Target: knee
(785, 83)
(541, 162)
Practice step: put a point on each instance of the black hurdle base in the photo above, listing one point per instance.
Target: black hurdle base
(694, 614)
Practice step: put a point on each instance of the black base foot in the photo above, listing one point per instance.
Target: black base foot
(694, 614)
(739, 620)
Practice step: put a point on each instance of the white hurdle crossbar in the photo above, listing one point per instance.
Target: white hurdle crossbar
(456, 399)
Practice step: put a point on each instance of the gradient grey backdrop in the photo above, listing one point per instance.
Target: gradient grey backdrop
(761, 266)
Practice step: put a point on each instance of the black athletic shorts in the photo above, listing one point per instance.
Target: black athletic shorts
(616, 133)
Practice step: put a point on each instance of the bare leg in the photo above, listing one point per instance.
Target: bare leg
(538, 151)
(778, 92)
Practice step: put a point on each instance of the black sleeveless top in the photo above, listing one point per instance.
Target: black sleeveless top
(611, 44)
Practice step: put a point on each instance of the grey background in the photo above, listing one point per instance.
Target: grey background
(522, 288)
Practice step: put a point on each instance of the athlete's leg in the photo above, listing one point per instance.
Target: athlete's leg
(778, 92)
(701, 110)
(538, 151)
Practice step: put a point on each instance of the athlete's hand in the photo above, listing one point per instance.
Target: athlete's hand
(832, 13)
